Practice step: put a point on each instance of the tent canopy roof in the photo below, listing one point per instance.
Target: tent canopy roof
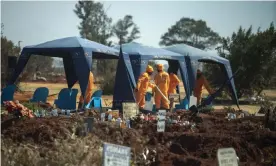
(70, 43)
(205, 56)
(195, 53)
(138, 49)
(77, 54)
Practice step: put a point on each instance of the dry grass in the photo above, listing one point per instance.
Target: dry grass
(271, 94)
(54, 89)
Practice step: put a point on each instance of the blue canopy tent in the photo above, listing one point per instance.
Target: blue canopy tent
(77, 54)
(193, 56)
(140, 55)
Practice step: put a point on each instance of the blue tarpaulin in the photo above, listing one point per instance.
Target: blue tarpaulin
(193, 56)
(140, 55)
(77, 54)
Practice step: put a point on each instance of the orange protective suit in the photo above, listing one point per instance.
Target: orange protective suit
(142, 87)
(174, 81)
(162, 81)
(199, 85)
(88, 93)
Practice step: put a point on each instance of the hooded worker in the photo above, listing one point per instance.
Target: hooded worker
(142, 86)
(200, 81)
(174, 82)
(88, 92)
(162, 81)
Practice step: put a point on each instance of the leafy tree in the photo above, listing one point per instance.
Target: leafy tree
(2, 29)
(95, 24)
(35, 64)
(195, 33)
(8, 48)
(192, 32)
(126, 30)
(38, 64)
(255, 53)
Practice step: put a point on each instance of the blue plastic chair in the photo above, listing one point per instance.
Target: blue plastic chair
(96, 100)
(40, 95)
(73, 98)
(97, 93)
(67, 99)
(184, 104)
(7, 93)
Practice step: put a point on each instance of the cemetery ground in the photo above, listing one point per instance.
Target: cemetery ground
(57, 140)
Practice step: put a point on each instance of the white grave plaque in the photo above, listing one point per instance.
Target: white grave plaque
(130, 110)
(193, 101)
(161, 115)
(227, 157)
(103, 116)
(116, 155)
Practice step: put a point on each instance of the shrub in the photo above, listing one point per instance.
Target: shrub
(108, 85)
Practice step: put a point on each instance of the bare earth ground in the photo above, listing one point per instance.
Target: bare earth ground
(53, 141)
(54, 89)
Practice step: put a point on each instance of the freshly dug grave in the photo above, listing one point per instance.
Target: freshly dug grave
(179, 145)
(40, 130)
(254, 144)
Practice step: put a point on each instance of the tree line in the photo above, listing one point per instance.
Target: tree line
(254, 52)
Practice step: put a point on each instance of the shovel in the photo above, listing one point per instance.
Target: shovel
(210, 98)
(162, 95)
(161, 92)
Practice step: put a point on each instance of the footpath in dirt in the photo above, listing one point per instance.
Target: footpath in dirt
(179, 145)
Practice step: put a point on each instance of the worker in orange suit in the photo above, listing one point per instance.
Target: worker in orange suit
(174, 82)
(200, 81)
(142, 87)
(162, 81)
(88, 93)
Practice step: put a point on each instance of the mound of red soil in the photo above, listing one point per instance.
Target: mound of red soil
(40, 130)
(179, 145)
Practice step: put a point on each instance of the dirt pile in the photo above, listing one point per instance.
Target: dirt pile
(254, 144)
(39, 130)
(179, 145)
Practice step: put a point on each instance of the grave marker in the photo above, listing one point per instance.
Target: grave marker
(161, 115)
(227, 157)
(116, 155)
(130, 110)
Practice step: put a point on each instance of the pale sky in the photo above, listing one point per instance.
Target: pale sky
(34, 22)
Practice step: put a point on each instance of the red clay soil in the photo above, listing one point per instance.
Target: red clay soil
(40, 130)
(179, 145)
